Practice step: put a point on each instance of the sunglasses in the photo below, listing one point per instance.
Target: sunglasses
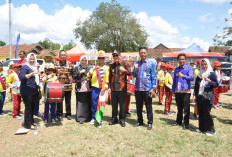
(50, 70)
(101, 58)
(17, 67)
(115, 55)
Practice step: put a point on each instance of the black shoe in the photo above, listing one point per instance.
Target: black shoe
(128, 114)
(175, 124)
(149, 127)
(196, 117)
(122, 123)
(60, 118)
(113, 121)
(69, 117)
(138, 124)
(185, 127)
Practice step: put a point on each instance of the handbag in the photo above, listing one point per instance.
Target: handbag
(207, 95)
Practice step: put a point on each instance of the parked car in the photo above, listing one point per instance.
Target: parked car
(226, 68)
(40, 61)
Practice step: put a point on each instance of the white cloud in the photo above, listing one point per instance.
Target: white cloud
(35, 25)
(213, 1)
(207, 17)
(161, 31)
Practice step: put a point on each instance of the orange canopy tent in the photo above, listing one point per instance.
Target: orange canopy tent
(74, 54)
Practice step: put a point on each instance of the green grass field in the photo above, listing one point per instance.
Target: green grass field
(70, 138)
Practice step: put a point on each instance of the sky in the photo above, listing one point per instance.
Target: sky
(174, 23)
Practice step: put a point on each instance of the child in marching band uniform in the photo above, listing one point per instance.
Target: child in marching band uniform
(3, 79)
(14, 82)
(160, 78)
(50, 77)
(168, 80)
(219, 74)
(8, 72)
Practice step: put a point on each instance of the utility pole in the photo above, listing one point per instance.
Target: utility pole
(10, 35)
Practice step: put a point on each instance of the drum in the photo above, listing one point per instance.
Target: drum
(130, 88)
(226, 80)
(54, 92)
(223, 89)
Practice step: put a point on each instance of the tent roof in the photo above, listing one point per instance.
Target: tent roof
(194, 48)
(77, 49)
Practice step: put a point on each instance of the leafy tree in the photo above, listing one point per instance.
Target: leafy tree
(111, 27)
(225, 37)
(69, 46)
(2, 43)
(48, 44)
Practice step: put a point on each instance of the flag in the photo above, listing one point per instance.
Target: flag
(100, 108)
(17, 42)
(61, 46)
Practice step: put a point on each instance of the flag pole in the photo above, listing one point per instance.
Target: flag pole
(10, 35)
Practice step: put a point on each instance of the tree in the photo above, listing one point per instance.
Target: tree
(2, 43)
(111, 27)
(48, 44)
(69, 46)
(225, 38)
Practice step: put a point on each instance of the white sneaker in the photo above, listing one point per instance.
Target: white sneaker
(99, 126)
(209, 134)
(92, 122)
(198, 130)
(18, 117)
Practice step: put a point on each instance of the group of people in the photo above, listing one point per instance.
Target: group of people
(92, 84)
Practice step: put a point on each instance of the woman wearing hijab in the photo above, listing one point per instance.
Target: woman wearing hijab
(205, 82)
(29, 89)
(83, 91)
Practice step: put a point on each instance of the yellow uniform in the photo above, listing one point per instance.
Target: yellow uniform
(160, 77)
(12, 81)
(168, 80)
(196, 72)
(4, 79)
(98, 75)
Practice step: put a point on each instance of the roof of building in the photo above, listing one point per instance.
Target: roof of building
(5, 50)
(160, 49)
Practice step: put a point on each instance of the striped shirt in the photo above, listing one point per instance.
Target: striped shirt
(99, 77)
(3, 84)
(145, 75)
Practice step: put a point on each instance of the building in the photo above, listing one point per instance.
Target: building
(35, 48)
(160, 49)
